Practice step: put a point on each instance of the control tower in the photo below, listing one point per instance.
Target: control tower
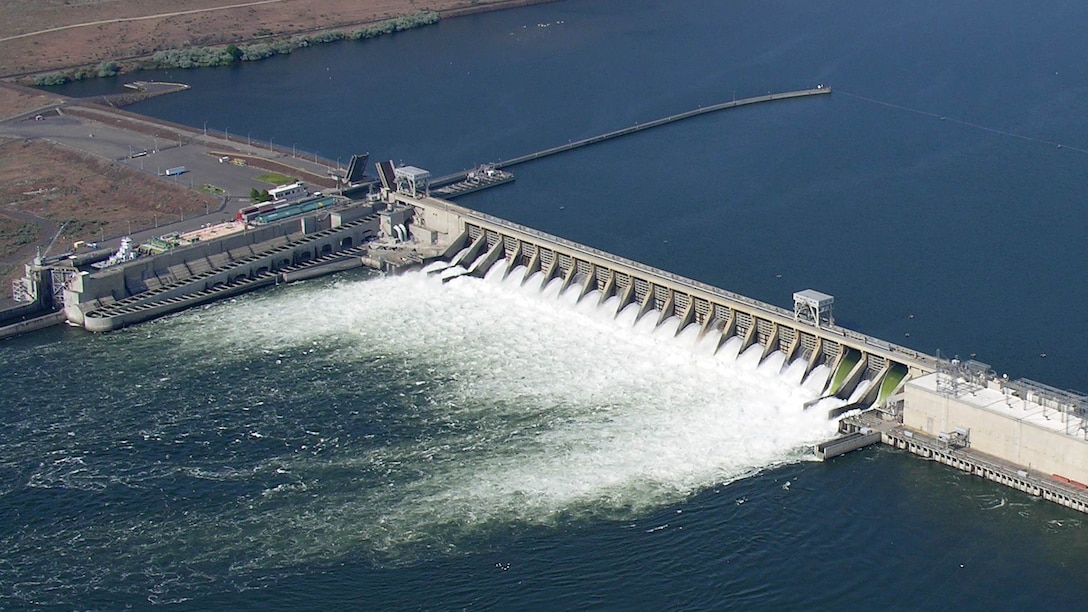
(813, 307)
(412, 180)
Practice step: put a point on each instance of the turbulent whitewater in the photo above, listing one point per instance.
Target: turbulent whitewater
(392, 417)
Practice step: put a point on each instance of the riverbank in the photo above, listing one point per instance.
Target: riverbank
(38, 38)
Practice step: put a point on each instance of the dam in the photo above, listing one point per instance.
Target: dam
(1019, 433)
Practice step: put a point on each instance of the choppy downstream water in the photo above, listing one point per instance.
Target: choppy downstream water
(399, 443)
(413, 418)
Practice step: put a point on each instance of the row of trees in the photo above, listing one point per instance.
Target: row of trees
(105, 69)
(201, 57)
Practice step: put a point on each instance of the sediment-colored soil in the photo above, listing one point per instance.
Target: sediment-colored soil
(31, 38)
(43, 185)
(15, 99)
(46, 185)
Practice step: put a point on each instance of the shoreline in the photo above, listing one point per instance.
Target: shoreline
(88, 67)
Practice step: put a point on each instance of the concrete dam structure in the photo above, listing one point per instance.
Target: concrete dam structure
(860, 367)
(1019, 433)
(302, 248)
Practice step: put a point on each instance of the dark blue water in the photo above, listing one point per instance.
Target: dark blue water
(975, 232)
(955, 206)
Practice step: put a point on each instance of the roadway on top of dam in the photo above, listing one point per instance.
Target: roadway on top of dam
(638, 127)
(917, 360)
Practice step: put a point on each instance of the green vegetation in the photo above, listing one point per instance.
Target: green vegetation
(105, 69)
(212, 189)
(259, 196)
(276, 178)
(398, 24)
(17, 233)
(53, 78)
(192, 57)
(197, 57)
(203, 57)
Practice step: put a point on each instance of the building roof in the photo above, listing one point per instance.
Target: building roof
(411, 172)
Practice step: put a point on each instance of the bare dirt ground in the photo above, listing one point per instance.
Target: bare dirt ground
(119, 30)
(43, 186)
(15, 99)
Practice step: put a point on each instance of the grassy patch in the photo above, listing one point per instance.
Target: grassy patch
(15, 234)
(212, 189)
(276, 178)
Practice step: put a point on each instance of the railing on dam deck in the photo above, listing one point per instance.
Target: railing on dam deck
(924, 362)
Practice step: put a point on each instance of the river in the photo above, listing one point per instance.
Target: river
(471, 445)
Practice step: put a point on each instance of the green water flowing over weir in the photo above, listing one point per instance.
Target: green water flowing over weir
(638, 127)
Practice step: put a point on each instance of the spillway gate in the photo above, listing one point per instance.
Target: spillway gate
(860, 367)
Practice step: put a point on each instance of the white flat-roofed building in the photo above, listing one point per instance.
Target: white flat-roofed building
(288, 193)
(1040, 431)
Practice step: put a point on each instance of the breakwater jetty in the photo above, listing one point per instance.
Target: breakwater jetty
(1020, 433)
(638, 127)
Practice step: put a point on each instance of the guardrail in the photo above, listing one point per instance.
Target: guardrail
(922, 361)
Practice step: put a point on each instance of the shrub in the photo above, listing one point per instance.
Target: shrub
(53, 78)
(398, 24)
(108, 69)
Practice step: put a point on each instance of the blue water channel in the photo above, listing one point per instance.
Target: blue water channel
(928, 193)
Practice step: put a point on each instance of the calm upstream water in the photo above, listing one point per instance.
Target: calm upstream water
(399, 443)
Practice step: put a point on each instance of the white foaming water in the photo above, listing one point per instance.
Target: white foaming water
(535, 407)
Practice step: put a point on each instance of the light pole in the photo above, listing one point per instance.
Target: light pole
(271, 140)
(249, 139)
(293, 149)
(226, 133)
